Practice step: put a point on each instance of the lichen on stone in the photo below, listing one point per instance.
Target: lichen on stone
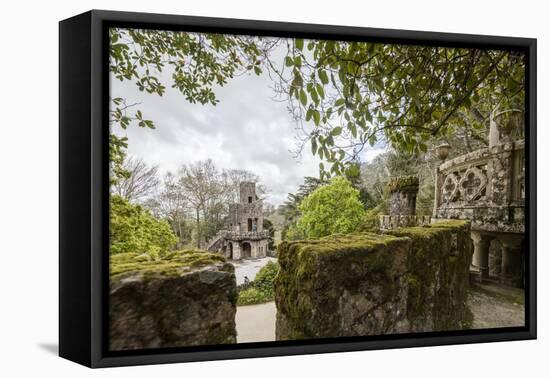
(320, 289)
(411, 279)
(403, 183)
(182, 298)
(171, 264)
(438, 275)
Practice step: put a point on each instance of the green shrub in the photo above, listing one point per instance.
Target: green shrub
(331, 209)
(261, 289)
(133, 229)
(251, 296)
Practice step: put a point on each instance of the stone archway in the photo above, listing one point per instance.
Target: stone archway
(246, 250)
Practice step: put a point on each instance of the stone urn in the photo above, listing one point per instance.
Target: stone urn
(442, 151)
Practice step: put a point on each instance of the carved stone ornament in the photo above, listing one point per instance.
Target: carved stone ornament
(450, 188)
(472, 183)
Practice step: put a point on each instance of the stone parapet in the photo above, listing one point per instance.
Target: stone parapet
(186, 298)
(408, 280)
(388, 222)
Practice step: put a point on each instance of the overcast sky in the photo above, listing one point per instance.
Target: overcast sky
(247, 129)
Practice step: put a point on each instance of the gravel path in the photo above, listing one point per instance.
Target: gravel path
(494, 309)
(256, 322)
(249, 268)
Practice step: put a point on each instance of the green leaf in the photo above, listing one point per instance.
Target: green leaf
(289, 62)
(303, 97)
(320, 90)
(316, 117)
(309, 114)
(299, 44)
(353, 130)
(336, 131)
(323, 76)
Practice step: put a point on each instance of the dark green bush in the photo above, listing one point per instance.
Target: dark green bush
(261, 289)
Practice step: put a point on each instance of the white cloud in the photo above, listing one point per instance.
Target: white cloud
(246, 130)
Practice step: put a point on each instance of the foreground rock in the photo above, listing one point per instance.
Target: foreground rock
(186, 298)
(371, 284)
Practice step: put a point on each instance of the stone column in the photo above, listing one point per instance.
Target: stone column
(236, 250)
(480, 258)
(403, 195)
(511, 272)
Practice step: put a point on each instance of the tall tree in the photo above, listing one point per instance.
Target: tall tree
(140, 182)
(172, 204)
(132, 228)
(203, 189)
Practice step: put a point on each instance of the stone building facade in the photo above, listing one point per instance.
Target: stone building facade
(245, 236)
(487, 187)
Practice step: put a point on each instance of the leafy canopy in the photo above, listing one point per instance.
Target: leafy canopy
(346, 95)
(355, 93)
(331, 209)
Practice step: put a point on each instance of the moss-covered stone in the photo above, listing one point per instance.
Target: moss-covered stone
(409, 280)
(403, 183)
(184, 298)
(438, 275)
(342, 285)
(171, 264)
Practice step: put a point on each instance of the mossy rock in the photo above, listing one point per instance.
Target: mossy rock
(183, 298)
(438, 275)
(322, 287)
(403, 183)
(171, 264)
(406, 280)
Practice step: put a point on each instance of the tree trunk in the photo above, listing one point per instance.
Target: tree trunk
(198, 229)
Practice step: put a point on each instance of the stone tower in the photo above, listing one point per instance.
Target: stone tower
(247, 215)
(245, 237)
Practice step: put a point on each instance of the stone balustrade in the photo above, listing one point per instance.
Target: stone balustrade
(252, 235)
(487, 187)
(388, 222)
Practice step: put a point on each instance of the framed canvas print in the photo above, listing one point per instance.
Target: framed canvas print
(234, 188)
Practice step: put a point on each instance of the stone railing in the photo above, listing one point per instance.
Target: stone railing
(252, 235)
(388, 222)
(486, 186)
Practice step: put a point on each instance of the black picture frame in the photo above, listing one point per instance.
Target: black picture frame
(83, 196)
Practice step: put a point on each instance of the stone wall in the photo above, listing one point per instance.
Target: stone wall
(413, 280)
(438, 266)
(186, 298)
